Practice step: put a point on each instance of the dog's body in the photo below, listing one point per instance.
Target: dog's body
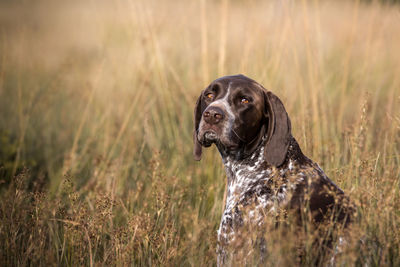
(266, 169)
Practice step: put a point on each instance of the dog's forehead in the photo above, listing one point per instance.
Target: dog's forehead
(235, 82)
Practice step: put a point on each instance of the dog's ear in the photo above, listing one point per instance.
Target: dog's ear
(197, 150)
(279, 130)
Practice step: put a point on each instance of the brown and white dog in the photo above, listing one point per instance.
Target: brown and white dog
(266, 169)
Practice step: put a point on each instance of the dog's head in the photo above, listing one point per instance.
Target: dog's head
(236, 113)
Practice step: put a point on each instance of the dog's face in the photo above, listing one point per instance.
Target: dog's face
(232, 113)
(235, 113)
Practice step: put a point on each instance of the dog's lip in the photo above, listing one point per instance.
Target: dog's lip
(210, 135)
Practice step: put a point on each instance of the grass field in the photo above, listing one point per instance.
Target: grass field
(96, 106)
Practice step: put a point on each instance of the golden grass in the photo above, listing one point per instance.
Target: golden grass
(96, 101)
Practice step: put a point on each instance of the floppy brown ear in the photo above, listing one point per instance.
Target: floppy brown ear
(197, 150)
(279, 130)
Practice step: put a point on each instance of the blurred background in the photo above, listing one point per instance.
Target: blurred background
(96, 108)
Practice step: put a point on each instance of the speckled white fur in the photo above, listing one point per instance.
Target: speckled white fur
(251, 180)
(245, 177)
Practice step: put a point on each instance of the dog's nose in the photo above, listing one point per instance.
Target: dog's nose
(213, 115)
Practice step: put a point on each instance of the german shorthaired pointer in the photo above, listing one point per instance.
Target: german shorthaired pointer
(266, 169)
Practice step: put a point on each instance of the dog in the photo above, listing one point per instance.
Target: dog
(267, 172)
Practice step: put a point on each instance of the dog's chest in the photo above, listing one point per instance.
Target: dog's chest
(255, 191)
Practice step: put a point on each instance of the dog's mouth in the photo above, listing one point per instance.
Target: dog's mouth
(210, 137)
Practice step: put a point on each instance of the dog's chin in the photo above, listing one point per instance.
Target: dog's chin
(211, 137)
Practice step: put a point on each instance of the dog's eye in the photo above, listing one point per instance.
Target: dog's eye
(244, 100)
(210, 96)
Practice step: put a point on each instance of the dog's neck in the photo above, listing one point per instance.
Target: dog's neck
(251, 182)
(251, 177)
(254, 178)
(249, 168)
(255, 189)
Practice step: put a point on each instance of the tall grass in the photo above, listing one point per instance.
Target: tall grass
(96, 101)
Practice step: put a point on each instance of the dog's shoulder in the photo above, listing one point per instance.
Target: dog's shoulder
(313, 190)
